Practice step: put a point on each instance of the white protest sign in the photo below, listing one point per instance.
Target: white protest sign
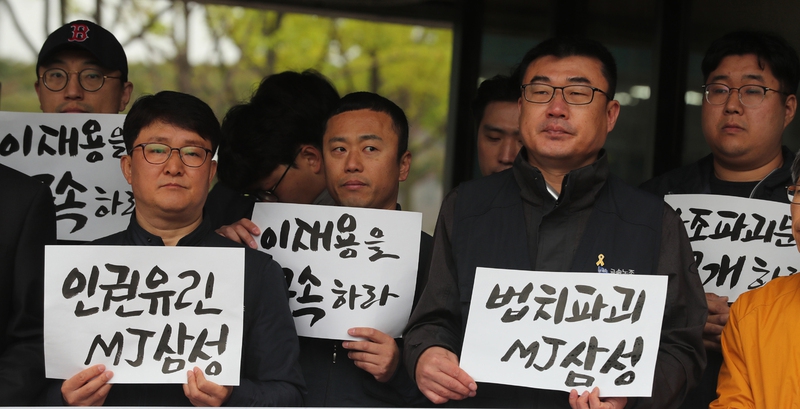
(565, 331)
(347, 267)
(739, 244)
(77, 155)
(149, 314)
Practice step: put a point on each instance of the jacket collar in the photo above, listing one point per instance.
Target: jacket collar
(578, 189)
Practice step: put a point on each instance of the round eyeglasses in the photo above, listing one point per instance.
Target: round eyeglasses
(572, 94)
(56, 79)
(791, 192)
(158, 153)
(749, 95)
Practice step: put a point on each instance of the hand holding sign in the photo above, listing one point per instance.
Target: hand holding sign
(718, 311)
(378, 355)
(88, 387)
(202, 392)
(592, 400)
(241, 232)
(440, 378)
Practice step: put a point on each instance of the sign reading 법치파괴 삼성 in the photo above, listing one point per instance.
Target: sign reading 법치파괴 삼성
(346, 267)
(739, 244)
(148, 313)
(77, 156)
(564, 331)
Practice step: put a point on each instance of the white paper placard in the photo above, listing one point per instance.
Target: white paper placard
(77, 155)
(347, 267)
(149, 314)
(564, 331)
(739, 244)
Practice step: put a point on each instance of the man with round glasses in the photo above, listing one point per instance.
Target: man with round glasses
(170, 139)
(557, 209)
(82, 68)
(751, 81)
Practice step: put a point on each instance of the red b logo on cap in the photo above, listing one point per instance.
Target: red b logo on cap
(79, 33)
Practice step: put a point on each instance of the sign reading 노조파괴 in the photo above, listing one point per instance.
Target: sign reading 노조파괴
(564, 331)
(346, 267)
(149, 314)
(77, 156)
(739, 244)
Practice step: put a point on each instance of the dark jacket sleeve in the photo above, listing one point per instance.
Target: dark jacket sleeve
(436, 320)
(681, 356)
(271, 374)
(27, 224)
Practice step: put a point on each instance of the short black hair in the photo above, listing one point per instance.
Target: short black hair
(562, 47)
(287, 110)
(772, 51)
(181, 110)
(500, 88)
(796, 167)
(374, 102)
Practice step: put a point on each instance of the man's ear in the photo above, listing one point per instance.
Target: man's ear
(405, 166)
(791, 109)
(127, 90)
(311, 156)
(125, 165)
(612, 113)
(38, 89)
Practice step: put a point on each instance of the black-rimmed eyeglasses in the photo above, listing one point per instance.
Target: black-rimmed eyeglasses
(91, 80)
(269, 194)
(749, 95)
(158, 153)
(573, 94)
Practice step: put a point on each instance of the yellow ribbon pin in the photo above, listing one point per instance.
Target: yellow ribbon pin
(600, 258)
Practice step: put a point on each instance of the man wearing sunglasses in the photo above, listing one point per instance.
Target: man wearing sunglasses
(556, 209)
(82, 68)
(751, 79)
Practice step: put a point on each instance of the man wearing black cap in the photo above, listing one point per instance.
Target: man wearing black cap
(82, 68)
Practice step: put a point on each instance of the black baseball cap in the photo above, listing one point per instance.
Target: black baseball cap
(83, 34)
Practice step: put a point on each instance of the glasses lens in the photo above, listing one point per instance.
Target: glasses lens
(539, 93)
(91, 80)
(790, 191)
(578, 94)
(751, 95)
(55, 79)
(156, 153)
(717, 94)
(193, 156)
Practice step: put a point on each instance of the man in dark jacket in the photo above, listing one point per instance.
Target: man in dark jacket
(556, 209)
(365, 150)
(27, 223)
(170, 139)
(747, 160)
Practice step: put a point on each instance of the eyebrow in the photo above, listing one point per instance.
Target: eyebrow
(756, 77)
(164, 140)
(575, 80)
(367, 137)
(83, 62)
(493, 128)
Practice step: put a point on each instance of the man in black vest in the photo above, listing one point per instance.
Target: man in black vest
(744, 132)
(556, 209)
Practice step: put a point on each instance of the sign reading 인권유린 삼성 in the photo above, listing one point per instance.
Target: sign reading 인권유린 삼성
(739, 244)
(564, 331)
(346, 267)
(77, 156)
(148, 313)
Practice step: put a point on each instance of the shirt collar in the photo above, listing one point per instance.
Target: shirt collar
(141, 237)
